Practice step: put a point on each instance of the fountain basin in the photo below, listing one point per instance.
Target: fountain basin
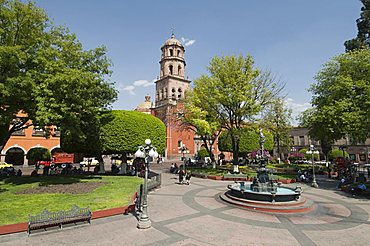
(281, 194)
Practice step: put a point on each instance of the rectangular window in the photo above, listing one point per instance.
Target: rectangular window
(38, 131)
(19, 133)
(301, 141)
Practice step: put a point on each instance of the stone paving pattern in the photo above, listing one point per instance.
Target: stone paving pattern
(194, 215)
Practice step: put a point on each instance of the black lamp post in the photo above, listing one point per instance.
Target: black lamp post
(146, 151)
(312, 151)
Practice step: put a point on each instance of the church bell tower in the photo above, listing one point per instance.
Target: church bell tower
(169, 91)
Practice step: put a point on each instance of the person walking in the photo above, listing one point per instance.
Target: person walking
(181, 175)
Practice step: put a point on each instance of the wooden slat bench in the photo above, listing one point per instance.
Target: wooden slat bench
(49, 219)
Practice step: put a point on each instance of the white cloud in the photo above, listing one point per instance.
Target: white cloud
(130, 89)
(142, 82)
(190, 42)
(137, 83)
(187, 42)
(297, 108)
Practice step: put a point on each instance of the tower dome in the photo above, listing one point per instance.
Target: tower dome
(173, 41)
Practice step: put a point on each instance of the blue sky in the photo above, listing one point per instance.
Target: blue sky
(292, 38)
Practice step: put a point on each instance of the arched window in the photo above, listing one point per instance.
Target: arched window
(179, 143)
(165, 93)
(179, 72)
(178, 52)
(171, 52)
(171, 69)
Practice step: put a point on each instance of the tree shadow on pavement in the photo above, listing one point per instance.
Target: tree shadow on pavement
(48, 180)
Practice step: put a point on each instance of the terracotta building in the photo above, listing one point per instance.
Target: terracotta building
(21, 142)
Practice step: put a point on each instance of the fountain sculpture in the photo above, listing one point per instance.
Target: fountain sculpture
(264, 193)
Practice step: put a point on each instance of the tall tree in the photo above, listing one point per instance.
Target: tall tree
(45, 73)
(341, 98)
(200, 120)
(363, 26)
(277, 119)
(235, 92)
(249, 140)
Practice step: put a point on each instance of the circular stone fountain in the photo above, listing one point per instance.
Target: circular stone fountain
(264, 193)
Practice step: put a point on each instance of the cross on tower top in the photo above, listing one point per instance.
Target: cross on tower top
(172, 32)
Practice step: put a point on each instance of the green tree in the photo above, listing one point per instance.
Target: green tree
(200, 120)
(38, 154)
(340, 100)
(249, 141)
(235, 92)
(363, 26)
(320, 128)
(82, 135)
(277, 119)
(202, 153)
(45, 73)
(126, 130)
(335, 153)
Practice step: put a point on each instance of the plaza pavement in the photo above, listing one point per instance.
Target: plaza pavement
(194, 215)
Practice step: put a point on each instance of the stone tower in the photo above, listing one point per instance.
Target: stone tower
(170, 90)
(171, 84)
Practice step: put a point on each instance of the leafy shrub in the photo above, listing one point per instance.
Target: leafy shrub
(202, 153)
(39, 154)
(335, 153)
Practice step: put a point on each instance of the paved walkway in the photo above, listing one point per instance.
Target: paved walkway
(194, 215)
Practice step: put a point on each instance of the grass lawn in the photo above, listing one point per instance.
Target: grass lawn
(14, 208)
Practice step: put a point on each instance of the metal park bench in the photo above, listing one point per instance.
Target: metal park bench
(49, 219)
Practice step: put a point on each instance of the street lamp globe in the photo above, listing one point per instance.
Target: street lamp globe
(139, 154)
(148, 141)
(153, 153)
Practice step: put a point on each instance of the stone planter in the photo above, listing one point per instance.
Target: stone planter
(287, 181)
(235, 178)
(215, 177)
(199, 175)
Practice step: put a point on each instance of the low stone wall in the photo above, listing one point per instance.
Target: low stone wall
(236, 177)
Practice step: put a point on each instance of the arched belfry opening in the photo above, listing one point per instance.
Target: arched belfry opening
(172, 58)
